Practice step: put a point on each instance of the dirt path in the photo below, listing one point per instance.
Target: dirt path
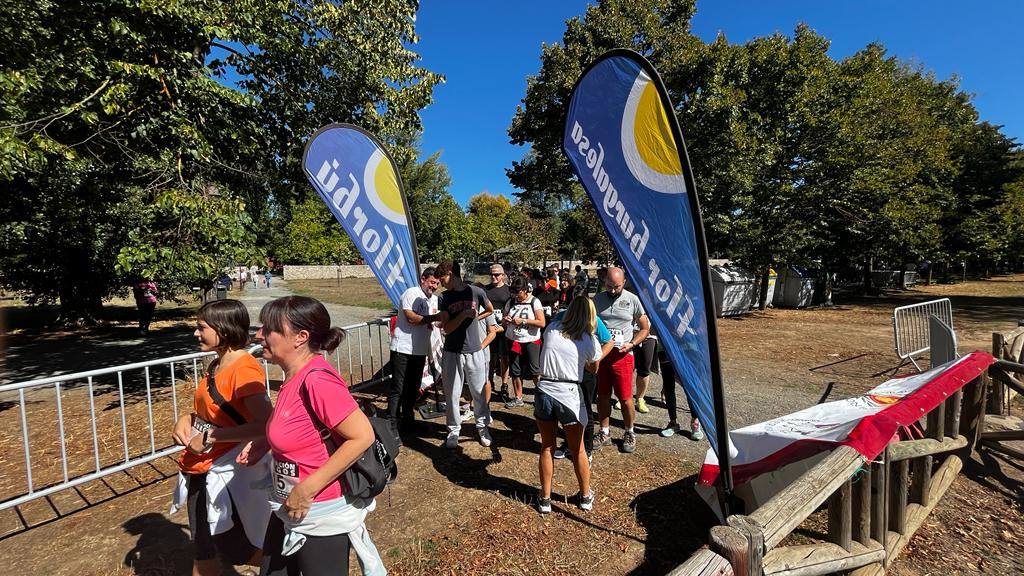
(468, 511)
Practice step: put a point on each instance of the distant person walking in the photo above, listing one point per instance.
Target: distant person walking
(267, 276)
(145, 293)
(226, 515)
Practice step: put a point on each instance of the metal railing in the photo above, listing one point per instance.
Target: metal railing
(75, 428)
(911, 330)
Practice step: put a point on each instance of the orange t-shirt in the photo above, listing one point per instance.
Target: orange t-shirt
(235, 382)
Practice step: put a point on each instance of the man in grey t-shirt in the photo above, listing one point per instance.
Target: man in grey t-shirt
(620, 310)
(462, 361)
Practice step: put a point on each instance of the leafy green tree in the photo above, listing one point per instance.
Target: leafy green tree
(488, 216)
(116, 116)
(312, 236)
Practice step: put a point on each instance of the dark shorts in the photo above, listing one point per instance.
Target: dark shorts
(525, 363)
(233, 545)
(547, 409)
(499, 347)
(644, 357)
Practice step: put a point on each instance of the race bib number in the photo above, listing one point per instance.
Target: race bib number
(547, 311)
(199, 426)
(286, 477)
(617, 336)
(497, 315)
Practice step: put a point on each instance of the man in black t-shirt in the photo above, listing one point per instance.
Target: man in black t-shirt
(463, 361)
(498, 293)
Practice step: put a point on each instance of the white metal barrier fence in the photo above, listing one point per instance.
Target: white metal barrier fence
(80, 427)
(910, 327)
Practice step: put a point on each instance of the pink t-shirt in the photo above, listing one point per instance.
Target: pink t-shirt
(296, 445)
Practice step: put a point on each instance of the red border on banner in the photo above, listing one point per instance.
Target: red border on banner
(873, 433)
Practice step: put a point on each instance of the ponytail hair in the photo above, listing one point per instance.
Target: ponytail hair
(303, 313)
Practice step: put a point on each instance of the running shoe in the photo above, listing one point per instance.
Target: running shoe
(670, 430)
(504, 390)
(641, 405)
(587, 502)
(485, 436)
(543, 505)
(628, 442)
(617, 405)
(515, 403)
(696, 433)
(562, 452)
(467, 416)
(601, 439)
(452, 442)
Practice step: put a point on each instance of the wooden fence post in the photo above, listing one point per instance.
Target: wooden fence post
(953, 407)
(840, 516)
(862, 506)
(972, 420)
(737, 544)
(878, 502)
(922, 481)
(997, 395)
(898, 480)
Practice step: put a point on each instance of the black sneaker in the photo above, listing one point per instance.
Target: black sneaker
(543, 505)
(562, 452)
(629, 442)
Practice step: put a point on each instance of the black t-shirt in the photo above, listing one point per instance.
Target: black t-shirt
(498, 295)
(469, 336)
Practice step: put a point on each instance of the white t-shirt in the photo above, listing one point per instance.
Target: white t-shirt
(530, 310)
(562, 359)
(409, 339)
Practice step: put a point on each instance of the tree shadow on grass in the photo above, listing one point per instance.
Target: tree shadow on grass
(677, 523)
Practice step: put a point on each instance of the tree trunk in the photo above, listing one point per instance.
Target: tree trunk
(762, 298)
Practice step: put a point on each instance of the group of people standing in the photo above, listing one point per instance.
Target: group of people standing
(576, 350)
(263, 482)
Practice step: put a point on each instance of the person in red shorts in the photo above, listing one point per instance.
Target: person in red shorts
(620, 310)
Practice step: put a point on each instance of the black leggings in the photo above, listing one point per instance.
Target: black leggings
(319, 556)
(589, 388)
(668, 386)
(406, 375)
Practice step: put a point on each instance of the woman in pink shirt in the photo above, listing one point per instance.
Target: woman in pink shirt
(312, 526)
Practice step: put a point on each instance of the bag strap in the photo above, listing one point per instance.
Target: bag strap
(218, 398)
(321, 428)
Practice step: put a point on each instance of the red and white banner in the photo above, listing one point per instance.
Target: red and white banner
(867, 423)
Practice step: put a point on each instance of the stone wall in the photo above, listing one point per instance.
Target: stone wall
(292, 272)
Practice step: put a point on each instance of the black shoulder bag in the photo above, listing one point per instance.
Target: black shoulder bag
(218, 398)
(375, 468)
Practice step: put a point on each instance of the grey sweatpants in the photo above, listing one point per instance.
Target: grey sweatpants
(469, 369)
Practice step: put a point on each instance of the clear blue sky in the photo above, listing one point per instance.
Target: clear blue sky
(487, 49)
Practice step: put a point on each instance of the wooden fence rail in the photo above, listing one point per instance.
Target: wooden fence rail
(873, 508)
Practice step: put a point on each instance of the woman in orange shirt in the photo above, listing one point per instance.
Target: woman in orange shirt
(225, 514)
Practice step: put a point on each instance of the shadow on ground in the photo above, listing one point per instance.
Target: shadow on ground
(677, 523)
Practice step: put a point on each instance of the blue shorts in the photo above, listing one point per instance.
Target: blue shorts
(547, 409)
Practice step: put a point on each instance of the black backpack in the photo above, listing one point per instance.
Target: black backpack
(375, 469)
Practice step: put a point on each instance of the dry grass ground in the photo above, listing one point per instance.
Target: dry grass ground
(470, 511)
(365, 292)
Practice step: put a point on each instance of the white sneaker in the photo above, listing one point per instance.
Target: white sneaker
(467, 416)
(587, 502)
(452, 441)
(485, 437)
